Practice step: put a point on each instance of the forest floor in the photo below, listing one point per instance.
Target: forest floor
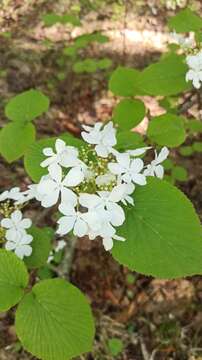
(155, 319)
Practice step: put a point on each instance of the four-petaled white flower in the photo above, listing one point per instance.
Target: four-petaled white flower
(155, 168)
(66, 156)
(103, 139)
(55, 185)
(15, 225)
(195, 72)
(126, 190)
(127, 169)
(20, 244)
(105, 203)
(13, 194)
(72, 220)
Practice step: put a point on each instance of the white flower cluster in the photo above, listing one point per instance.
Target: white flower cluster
(185, 42)
(91, 184)
(195, 69)
(16, 235)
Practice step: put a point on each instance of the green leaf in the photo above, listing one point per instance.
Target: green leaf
(15, 139)
(104, 63)
(186, 150)
(82, 41)
(54, 321)
(115, 346)
(79, 67)
(194, 126)
(185, 20)
(166, 77)
(168, 164)
(45, 272)
(162, 231)
(13, 279)
(100, 38)
(129, 113)
(34, 155)
(197, 146)
(179, 173)
(167, 129)
(27, 106)
(123, 82)
(70, 19)
(128, 140)
(70, 51)
(90, 65)
(41, 246)
(51, 19)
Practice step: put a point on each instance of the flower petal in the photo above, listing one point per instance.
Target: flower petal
(68, 197)
(139, 179)
(66, 224)
(6, 223)
(80, 228)
(89, 201)
(117, 215)
(16, 216)
(59, 146)
(101, 150)
(10, 245)
(50, 199)
(25, 223)
(74, 177)
(107, 243)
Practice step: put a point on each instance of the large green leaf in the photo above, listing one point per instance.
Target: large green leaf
(128, 113)
(163, 233)
(54, 321)
(167, 129)
(27, 106)
(41, 246)
(34, 155)
(166, 77)
(13, 279)
(15, 139)
(185, 20)
(123, 82)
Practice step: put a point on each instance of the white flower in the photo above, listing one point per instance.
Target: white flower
(73, 220)
(181, 40)
(29, 194)
(126, 190)
(20, 244)
(66, 156)
(60, 245)
(155, 168)
(105, 204)
(195, 73)
(104, 139)
(54, 185)
(15, 225)
(128, 169)
(13, 194)
(105, 179)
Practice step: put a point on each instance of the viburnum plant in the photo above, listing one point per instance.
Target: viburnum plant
(107, 186)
